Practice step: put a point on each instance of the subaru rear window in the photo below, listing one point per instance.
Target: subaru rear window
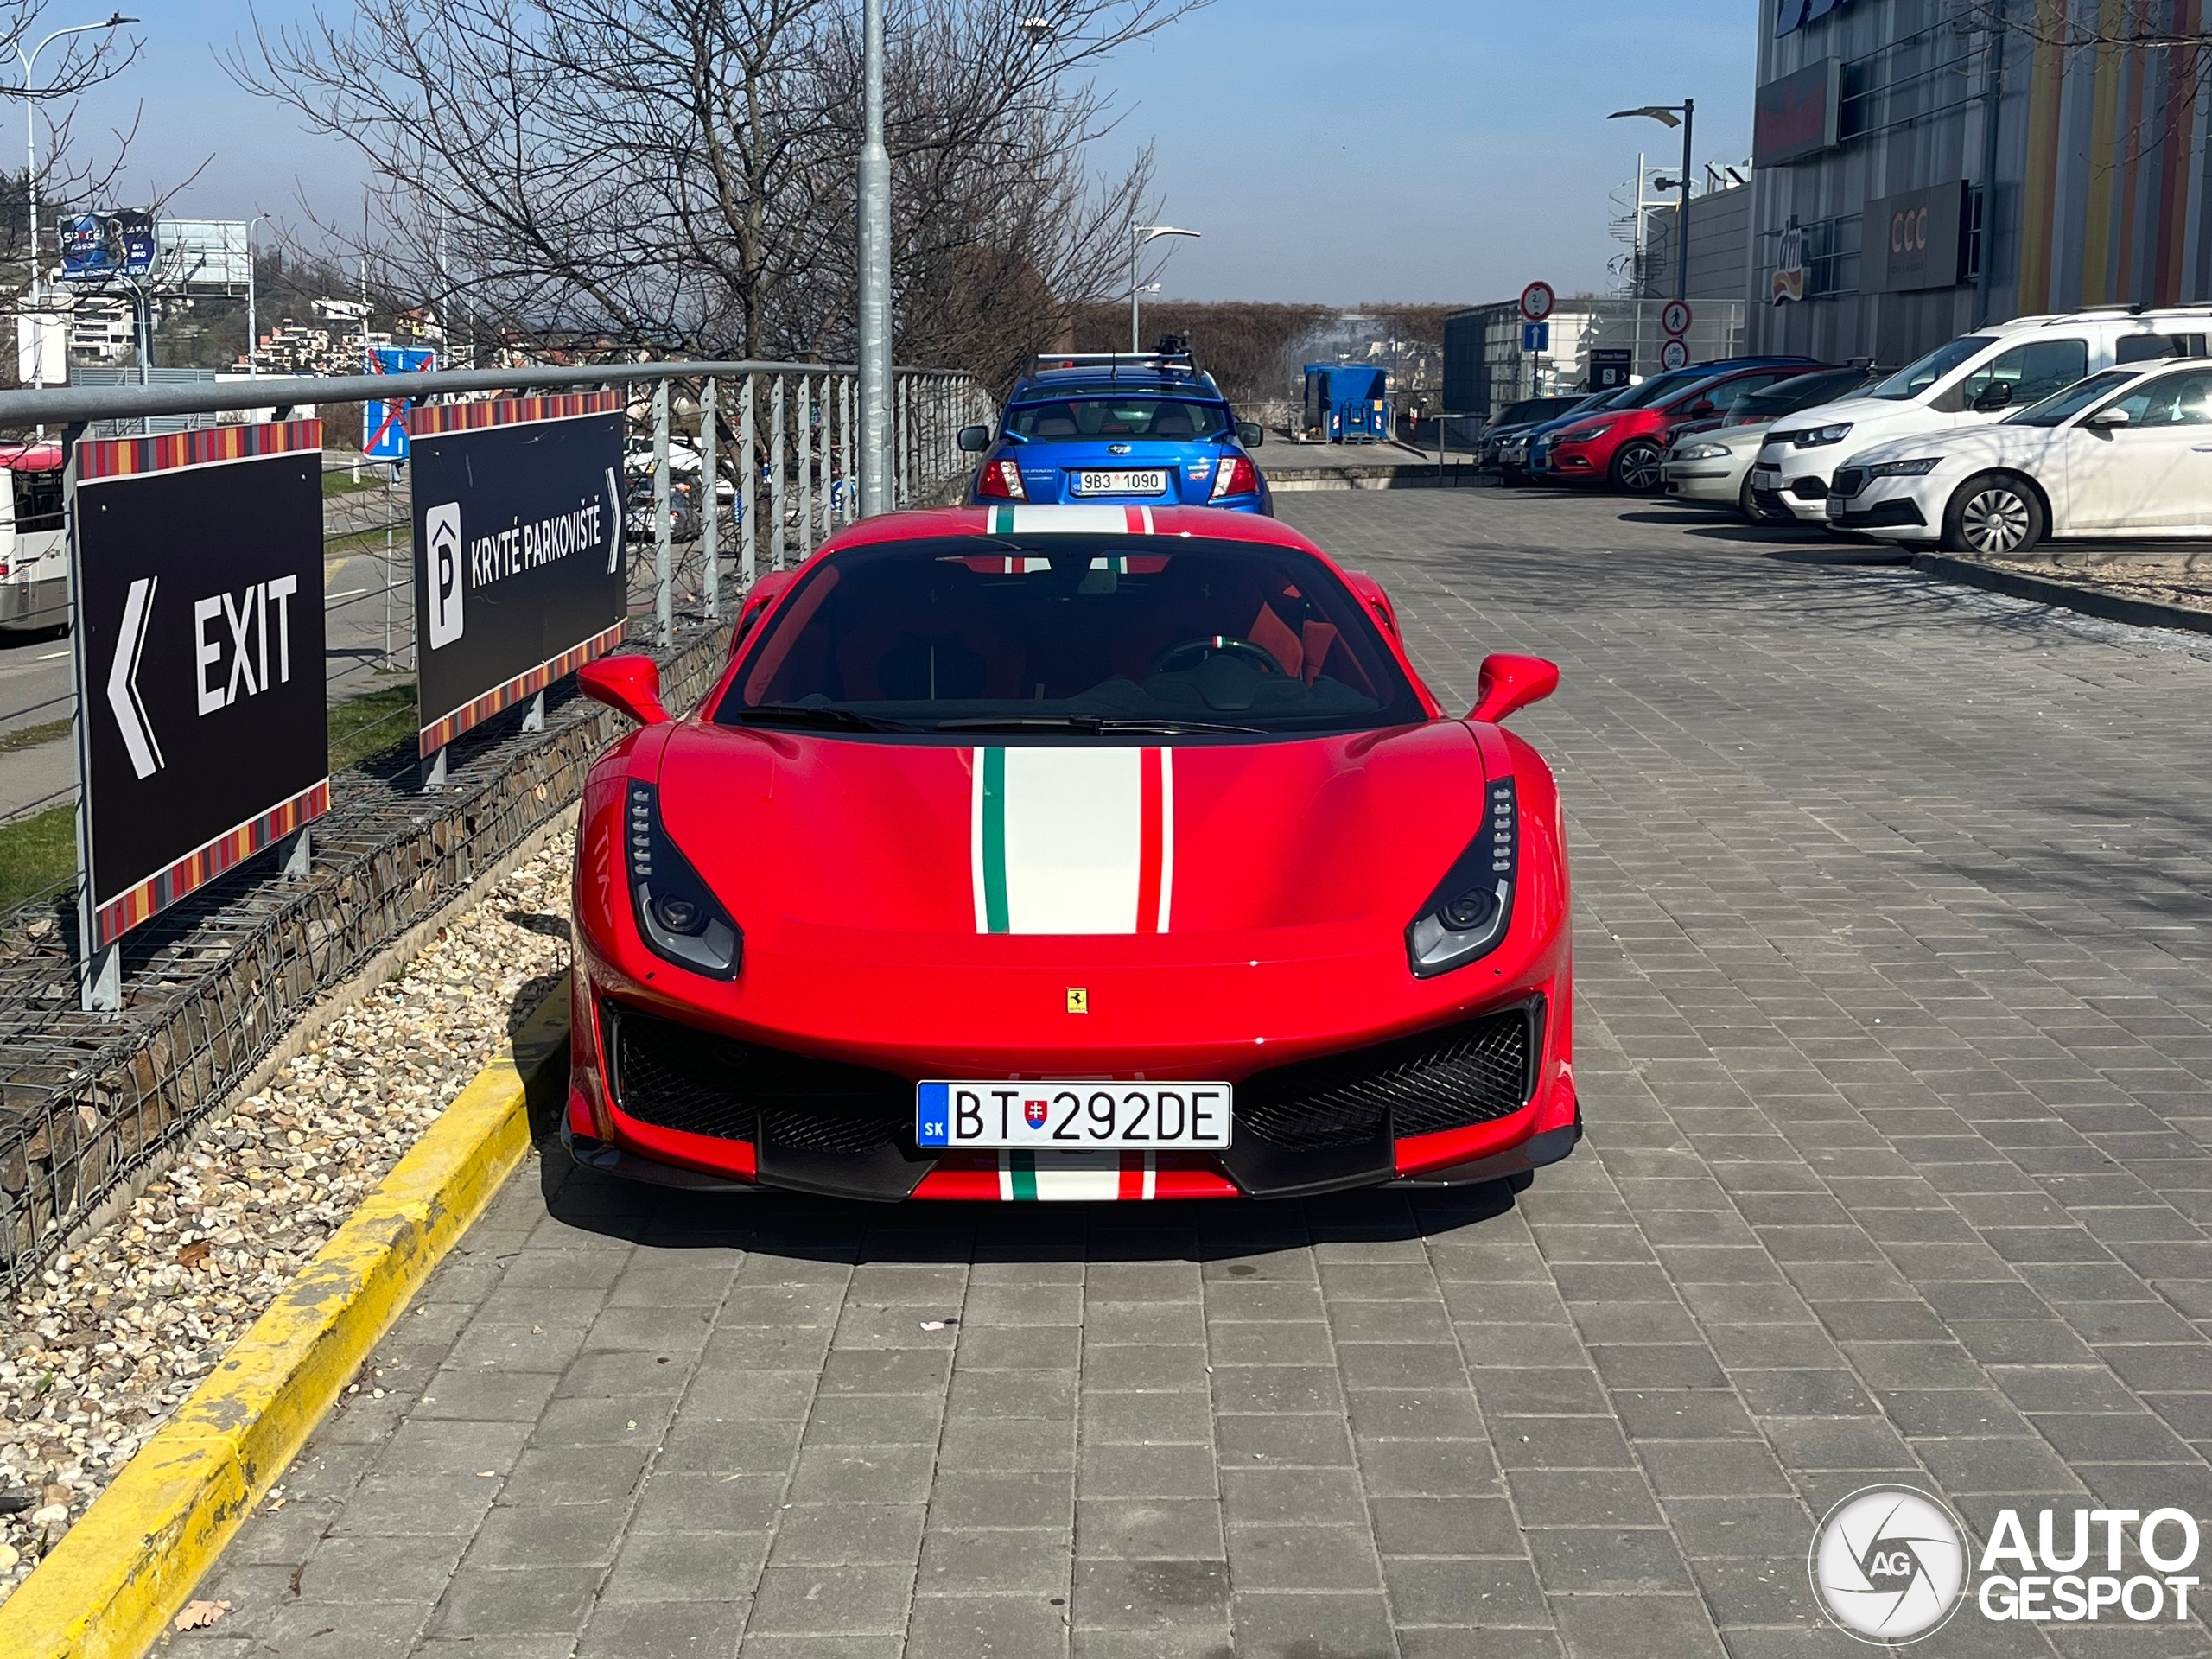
(1070, 634)
(1077, 419)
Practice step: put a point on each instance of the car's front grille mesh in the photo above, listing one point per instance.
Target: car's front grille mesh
(675, 1077)
(1470, 1073)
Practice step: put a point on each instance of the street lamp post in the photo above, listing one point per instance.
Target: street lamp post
(874, 377)
(875, 277)
(1682, 115)
(1136, 333)
(252, 322)
(1139, 235)
(30, 172)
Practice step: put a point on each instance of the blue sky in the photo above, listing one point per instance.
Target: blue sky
(1365, 150)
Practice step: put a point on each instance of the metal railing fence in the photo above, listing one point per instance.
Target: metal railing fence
(694, 545)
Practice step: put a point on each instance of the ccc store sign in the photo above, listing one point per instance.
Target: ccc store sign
(1909, 231)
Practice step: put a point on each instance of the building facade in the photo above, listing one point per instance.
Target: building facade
(1722, 247)
(1923, 167)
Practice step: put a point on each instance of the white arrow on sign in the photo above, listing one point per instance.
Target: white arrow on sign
(614, 518)
(123, 680)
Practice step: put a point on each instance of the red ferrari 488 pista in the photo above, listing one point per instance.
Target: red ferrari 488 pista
(1070, 853)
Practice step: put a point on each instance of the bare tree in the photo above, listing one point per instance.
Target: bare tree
(677, 176)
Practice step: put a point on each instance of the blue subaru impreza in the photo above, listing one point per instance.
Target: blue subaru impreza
(1149, 430)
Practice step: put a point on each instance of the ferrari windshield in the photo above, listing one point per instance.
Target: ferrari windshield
(1092, 635)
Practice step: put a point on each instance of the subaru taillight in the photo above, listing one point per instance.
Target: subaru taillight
(1001, 479)
(1235, 476)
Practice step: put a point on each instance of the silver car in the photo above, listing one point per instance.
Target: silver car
(1710, 463)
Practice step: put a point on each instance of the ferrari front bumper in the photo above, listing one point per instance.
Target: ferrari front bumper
(1476, 1099)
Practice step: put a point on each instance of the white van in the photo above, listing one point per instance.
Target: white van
(1975, 378)
(34, 554)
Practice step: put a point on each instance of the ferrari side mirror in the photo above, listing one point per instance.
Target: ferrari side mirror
(1507, 683)
(629, 684)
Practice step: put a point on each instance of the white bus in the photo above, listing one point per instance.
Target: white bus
(34, 557)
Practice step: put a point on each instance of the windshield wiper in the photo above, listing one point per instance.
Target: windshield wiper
(1095, 724)
(799, 714)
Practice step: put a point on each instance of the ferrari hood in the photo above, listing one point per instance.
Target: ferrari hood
(802, 833)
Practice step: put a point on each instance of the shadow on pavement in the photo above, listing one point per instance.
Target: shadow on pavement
(809, 1228)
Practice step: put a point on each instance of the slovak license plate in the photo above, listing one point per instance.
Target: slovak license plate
(1070, 1116)
(1153, 483)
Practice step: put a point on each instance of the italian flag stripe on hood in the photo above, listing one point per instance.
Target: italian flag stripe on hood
(1069, 839)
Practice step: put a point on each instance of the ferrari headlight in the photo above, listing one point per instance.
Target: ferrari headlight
(1467, 915)
(680, 919)
(1817, 437)
(1702, 452)
(1903, 468)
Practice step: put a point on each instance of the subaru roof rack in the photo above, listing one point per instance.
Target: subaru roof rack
(1180, 362)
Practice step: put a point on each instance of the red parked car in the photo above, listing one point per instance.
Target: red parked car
(1071, 852)
(1622, 447)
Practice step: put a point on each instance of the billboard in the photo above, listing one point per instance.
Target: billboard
(1916, 238)
(97, 247)
(1796, 115)
(205, 255)
(384, 423)
(521, 572)
(197, 562)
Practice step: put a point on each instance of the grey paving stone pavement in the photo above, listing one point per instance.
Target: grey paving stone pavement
(1894, 1025)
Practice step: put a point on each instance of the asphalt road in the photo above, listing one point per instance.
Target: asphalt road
(1894, 1025)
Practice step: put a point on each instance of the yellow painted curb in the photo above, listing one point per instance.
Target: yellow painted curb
(120, 1573)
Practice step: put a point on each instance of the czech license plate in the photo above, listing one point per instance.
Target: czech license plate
(1153, 483)
(1069, 1116)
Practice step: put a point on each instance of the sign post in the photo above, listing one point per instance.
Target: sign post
(521, 573)
(196, 564)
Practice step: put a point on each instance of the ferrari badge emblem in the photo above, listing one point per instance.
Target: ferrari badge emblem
(1079, 1000)
(1033, 1113)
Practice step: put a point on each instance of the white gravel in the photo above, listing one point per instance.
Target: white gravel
(118, 1332)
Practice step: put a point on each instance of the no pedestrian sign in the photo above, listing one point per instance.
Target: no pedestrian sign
(1674, 317)
(1537, 300)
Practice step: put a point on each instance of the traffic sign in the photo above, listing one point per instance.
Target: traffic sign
(1537, 300)
(1674, 355)
(1535, 336)
(383, 423)
(1674, 317)
(520, 573)
(199, 659)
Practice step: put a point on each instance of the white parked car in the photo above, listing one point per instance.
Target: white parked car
(1709, 463)
(2125, 453)
(1970, 382)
